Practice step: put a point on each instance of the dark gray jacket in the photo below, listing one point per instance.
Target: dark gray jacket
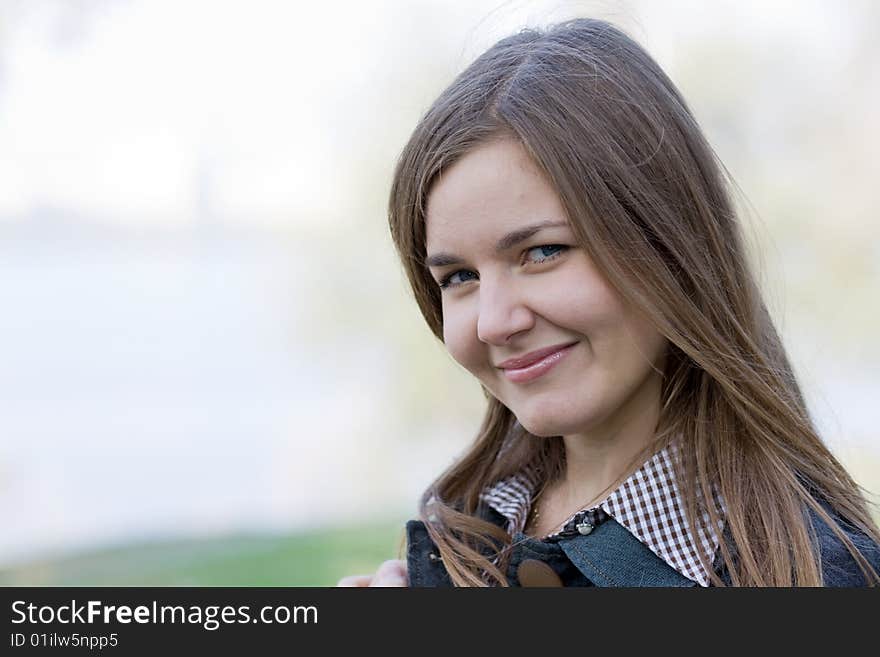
(611, 556)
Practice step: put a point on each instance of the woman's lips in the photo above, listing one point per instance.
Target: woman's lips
(538, 368)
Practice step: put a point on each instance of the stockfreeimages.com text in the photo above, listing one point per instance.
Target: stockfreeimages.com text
(210, 617)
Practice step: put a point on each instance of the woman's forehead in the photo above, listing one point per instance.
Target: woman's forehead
(491, 191)
(495, 172)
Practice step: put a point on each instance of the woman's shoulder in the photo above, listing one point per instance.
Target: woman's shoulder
(839, 566)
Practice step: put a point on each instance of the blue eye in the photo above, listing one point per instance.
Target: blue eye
(547, 251)
(450, 281)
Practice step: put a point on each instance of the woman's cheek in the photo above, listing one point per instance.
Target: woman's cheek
(461, 342)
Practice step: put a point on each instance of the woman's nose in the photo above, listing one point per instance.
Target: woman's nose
(503, 313)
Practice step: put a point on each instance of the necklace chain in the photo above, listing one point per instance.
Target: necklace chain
(534, 511)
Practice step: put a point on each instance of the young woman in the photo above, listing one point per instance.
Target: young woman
(569, 236)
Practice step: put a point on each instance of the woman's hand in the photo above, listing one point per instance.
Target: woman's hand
(390, 573)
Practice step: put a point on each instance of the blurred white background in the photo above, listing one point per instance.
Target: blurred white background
(204, 327)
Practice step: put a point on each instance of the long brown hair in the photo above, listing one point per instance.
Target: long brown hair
(649, 202)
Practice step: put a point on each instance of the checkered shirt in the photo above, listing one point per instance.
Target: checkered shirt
(647, 504)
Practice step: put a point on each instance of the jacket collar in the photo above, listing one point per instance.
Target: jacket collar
(610, 556)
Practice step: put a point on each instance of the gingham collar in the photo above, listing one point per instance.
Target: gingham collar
(648, 505)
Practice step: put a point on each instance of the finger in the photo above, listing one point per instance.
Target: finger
(355, 580)
(391, 573)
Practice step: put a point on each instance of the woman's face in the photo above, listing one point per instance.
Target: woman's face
(524, 308)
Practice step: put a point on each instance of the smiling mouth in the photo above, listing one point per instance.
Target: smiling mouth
(525, 373)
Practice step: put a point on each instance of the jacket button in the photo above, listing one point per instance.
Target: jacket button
(584, 528)
(532, 572)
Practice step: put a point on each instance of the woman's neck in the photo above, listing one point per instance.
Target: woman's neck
(598, 460)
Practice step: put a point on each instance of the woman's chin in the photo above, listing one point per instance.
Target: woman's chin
(544, 427)
(550, 419)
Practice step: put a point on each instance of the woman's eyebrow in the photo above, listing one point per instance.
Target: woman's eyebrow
(511, 239)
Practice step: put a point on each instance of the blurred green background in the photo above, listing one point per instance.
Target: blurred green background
(314, 558)
(211, 369)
